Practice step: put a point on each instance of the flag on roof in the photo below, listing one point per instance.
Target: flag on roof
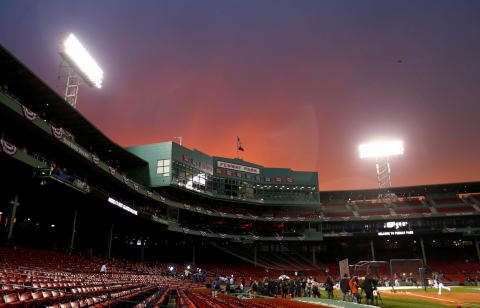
(239, 144)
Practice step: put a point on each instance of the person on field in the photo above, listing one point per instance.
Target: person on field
(353, 283)
(440, 284)
(345, 287)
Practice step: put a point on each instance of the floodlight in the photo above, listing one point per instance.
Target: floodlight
(380, 149)
(75, 54)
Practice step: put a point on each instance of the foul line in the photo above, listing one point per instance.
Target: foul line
(436, 298)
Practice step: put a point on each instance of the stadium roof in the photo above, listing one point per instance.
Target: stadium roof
(405, 191)
(40, 98)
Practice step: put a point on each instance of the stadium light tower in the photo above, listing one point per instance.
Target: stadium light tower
(381, 151)
(80, 66)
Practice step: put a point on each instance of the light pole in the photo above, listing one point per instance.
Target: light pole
(381, 151)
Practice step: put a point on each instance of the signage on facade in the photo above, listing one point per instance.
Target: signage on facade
(243, 168)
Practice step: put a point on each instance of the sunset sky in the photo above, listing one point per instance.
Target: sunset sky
(302, 83)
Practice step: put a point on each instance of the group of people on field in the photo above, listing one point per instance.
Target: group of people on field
(350, 287)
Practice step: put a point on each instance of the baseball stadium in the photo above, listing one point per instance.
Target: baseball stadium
(86, 222)
(108, 209)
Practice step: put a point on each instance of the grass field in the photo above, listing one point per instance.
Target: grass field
(389, 302)
(454, 289)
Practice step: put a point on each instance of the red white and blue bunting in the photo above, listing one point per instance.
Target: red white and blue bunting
(186, 230)
(209, 212)
(135, 186)
(365, 217)
(451, 230)
(346, 218)
(222, 214)
(286, 218)
(8, 148)
(404, 216)
(427, 214)
(326, 218)
(239, 215)
(198, 209)
(29, 115)
(222, 235)
(301, 237)
(269, 218)
(203, 233)
(279, 237)
(301, 218)
(256, 237)
(254, 216)
(125, 179)
(162, 198)
(186, 206)
(95, 159)
(56, 132)
(149, 193)
(112, 170)
(385, 216)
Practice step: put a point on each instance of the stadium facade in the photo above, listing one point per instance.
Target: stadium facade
(65, 180)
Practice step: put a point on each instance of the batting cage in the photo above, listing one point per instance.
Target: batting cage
(408, 272)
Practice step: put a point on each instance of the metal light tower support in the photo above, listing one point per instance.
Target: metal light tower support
(71, 90)
(383, 172)
(383, 177)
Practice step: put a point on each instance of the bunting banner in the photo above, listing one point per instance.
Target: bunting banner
(365, 217)
(222, 235)
(29, 115)
(286, 218)
(451, 230)
(343, 233)
(149, 193)
(135, 186)
(256, 237)
(346, 218)
(209, 212)
(385, 216)
(56, 132)
(186, 206)
(125, 179)
(427, 214)
(301, 218)
(222, 214)
(186, 230)
(301, 237)
(8, 148)
(279, 237)
(95, 159)
(203, 233)
(162, 198)
(198, 209)
(239, 215)
(405, 216)
(253, 216)
(326, 218)
(112, 171)
(269, 218)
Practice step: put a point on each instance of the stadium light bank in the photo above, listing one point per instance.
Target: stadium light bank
(79, 64)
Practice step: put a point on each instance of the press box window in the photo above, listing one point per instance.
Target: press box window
(163, 167)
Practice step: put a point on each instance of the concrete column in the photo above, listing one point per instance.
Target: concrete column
(255, 255)
(477, 245)
(11, 217)
(109, 242)
(373, 250)
(423, 252)
(314, 256)
(72, 239)
(142, 251)
(193, 255)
